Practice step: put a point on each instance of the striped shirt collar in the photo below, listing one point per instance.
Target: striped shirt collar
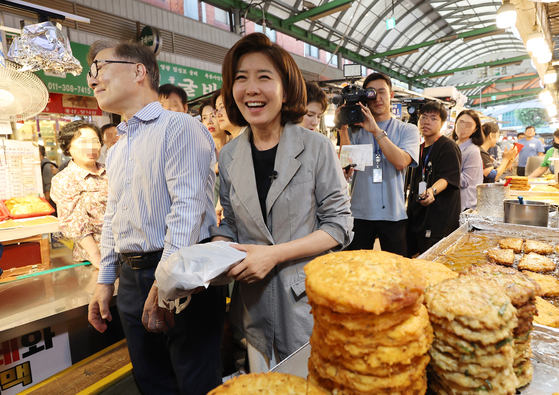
(150, 112)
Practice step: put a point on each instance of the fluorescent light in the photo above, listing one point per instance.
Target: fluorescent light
(536, 40)
(506, 15)
(550, 76)
(546, 98)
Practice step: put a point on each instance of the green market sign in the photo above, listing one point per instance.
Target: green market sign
(195, 82)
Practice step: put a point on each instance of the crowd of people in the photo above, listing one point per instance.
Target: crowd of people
(255, 172)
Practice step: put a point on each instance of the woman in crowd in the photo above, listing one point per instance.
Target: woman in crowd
(220, 136)
(468, 135)
(284, 198)
(81, 189)
(316, 105)
(222, 117)
(548, 164)
(491, 135)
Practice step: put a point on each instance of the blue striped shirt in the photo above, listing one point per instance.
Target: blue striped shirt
(161, 179)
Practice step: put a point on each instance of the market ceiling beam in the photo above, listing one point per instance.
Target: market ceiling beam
(475, 66)
(473, 34)
(319, 12)
(508, 100)
(499, 81)
(255, 14)
(509, 93)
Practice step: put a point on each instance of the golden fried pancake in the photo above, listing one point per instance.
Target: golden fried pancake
(451, 364)
(536, 263)
(503, 379)
(399, 335)
(512, 243)
(549, 284)
(477, 303)
(267, 383)
(548, 314)
(484, 336)
(504, 257)
(537, 247)
(363, 281)
(501, 358)
(368, 383)
(524, 373)
(518, 287)
(366, 322)
(434, 272)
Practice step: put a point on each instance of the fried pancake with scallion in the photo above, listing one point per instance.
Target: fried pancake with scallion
(434, 272)
(267, 383)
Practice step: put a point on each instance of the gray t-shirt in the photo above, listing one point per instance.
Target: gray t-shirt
(384, 201)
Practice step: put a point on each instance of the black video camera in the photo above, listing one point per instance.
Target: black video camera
(352, 95)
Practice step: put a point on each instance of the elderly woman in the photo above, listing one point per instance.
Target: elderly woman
(81, 190)
(469, 136)
(284, 198)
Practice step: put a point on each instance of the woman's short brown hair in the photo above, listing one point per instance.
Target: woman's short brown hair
(295, 105)
(316, 95)
(71, 131)
(477, 135)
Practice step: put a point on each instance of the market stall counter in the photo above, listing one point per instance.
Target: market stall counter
(43, 322)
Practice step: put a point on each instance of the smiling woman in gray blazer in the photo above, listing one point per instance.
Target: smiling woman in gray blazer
(284, 198)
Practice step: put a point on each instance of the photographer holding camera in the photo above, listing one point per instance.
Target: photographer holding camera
(378, 202)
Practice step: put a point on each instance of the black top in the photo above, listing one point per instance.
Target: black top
(487, 162)
(264, 172)
(441, 217)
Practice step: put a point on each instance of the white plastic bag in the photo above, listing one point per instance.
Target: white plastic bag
(191, 267)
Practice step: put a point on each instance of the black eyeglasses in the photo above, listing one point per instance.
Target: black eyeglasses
(94, 69)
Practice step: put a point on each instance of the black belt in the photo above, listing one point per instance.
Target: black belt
(139, 260)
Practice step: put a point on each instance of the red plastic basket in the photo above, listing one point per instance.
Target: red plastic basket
(13, 216)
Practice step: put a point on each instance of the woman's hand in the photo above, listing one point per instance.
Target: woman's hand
(258, 263)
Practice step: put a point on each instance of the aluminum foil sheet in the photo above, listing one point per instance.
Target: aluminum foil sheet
(469, 214)
(43, 46)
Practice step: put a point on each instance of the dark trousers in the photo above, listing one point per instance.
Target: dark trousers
(520, 171)
(183, 360)
(418, 243)
(392, 235)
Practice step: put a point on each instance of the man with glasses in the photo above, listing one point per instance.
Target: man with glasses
(160, 199)
(434, 198)
(377, 202)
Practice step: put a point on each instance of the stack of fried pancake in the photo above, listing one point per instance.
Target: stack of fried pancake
(371, 331)
(522, 291)
(473, 320)
(519, 183)
(267, 384)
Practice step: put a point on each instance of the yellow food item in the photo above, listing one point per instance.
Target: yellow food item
(267, 383)
(27, 205)
(549, 284)
(536, 263)
(434, 272)
(547, 313)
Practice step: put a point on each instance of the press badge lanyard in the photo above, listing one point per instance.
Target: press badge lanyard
(377, 171)
(423, 184)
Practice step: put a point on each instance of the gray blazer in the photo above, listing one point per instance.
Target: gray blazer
(310, 193)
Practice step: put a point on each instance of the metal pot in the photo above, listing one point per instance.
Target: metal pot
(490, 199)
(530, 213)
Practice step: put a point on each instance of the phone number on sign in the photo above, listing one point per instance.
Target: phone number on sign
(68, 88)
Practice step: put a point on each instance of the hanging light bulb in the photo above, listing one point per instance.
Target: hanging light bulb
(546, 98)
(506, 15)
(329, 115)
(550, 76)
(544, 57)
(552, 110)
(535, 41)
